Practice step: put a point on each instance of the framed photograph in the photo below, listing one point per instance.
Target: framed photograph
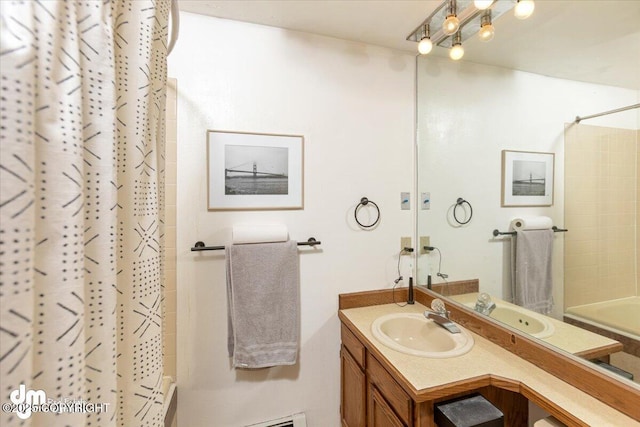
(254, 171)
(527, 178)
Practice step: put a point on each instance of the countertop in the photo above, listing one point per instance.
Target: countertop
(566, 337)
(485, 359)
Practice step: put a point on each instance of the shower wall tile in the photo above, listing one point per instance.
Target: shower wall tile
(601, 212)
(170, 215)
(169, 321)
(170, 233)
(170, 259)
(170, 192)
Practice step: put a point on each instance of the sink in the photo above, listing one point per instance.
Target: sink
(522, 319)
(412, 333)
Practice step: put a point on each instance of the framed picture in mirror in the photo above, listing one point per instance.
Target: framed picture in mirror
(527, 178)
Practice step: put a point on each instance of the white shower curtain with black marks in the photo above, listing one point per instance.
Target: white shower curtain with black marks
(81, 204)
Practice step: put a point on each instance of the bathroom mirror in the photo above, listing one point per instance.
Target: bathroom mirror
(467, 113)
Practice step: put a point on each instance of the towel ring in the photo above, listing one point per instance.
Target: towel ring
(461, 202)
(363, 202)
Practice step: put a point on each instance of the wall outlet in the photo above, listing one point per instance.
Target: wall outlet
(405, 242)
(424, 241)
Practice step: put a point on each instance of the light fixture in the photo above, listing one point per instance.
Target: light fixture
(452, 23)
(524, 8)
(487, 31)
(457, 51)
(425, 45)
(482, 4)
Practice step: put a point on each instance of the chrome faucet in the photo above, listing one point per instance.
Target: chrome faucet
(484, 305)
(440, 316)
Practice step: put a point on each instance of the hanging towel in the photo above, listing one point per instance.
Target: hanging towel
(533, 284)
(263, 304)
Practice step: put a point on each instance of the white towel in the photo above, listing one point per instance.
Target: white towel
(533, 284)
(263, 304)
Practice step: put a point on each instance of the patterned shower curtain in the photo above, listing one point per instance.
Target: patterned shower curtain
(81, 204)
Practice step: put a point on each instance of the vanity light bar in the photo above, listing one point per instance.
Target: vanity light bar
(465, 13)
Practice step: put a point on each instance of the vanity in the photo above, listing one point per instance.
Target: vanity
(386, 387)
(572, 339)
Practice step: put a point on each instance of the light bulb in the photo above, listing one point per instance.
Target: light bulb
(425, 46)
(482, 4)
(524, 9)
(486, 33)
(450, 25)
(456, 52)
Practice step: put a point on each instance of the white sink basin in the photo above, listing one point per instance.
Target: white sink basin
(414, 334)
(521, 319)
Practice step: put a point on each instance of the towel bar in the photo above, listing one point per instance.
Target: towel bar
(497, 233)
(200, 246)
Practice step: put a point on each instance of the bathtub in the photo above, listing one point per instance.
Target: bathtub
(170, 394)
(617, 319)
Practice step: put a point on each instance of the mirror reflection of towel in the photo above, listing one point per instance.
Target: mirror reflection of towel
(533, 284)
(263, 304)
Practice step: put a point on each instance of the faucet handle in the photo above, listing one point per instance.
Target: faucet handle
(437, 305)
(484, 305)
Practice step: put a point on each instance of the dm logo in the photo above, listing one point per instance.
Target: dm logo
(25, 399)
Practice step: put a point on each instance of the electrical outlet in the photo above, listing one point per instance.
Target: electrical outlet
(424, 241)
(405, 242)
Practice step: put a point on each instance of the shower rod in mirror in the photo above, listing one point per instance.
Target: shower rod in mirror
(604, 113)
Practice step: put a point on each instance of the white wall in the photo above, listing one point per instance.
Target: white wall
(467, 114)
(354, 104)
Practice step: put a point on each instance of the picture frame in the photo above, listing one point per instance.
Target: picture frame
(527, 178)
(254, 171)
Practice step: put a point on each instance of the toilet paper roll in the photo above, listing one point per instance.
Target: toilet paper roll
(531, 223)
(269, 233)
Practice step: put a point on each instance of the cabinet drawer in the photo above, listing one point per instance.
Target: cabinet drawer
(389, 388)
(354, 346)
(380, 414)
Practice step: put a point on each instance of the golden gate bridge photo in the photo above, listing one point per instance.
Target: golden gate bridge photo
(529, 187)
(246, 178)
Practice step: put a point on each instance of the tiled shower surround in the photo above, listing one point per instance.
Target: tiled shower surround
(601, 212)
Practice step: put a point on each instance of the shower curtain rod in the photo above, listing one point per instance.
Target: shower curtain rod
(617, 110)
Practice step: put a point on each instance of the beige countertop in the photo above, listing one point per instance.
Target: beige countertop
(485, 359)
(565, 337)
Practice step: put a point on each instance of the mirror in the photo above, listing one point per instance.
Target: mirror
(467, 113)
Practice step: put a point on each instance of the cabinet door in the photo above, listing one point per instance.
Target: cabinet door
(380, 413)
(352, 392)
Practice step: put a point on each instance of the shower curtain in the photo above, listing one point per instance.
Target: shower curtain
(81, 205)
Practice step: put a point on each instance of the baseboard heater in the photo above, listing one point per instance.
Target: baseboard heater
(295, 420)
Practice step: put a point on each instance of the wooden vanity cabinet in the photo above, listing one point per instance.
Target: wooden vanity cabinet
(353, 384)
(380, 413)
(397, 401)
(371, 396)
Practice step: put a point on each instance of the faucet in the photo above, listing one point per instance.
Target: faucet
(440, 316)
(484, 305)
